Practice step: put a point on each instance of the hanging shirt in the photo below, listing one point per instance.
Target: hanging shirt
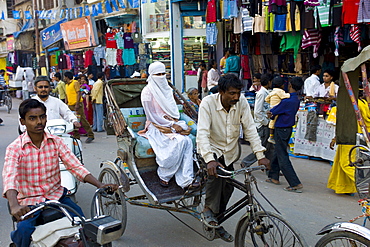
(99, 53)
(364, 11)
(88, 58)
(311, 37)
(211, 11)
(291, 42)
(110, 40)
(120, 41)
(350, 11)
(129, 42)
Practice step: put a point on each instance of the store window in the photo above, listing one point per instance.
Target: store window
(158, 16)
(194, 22)
(195, 50)
(161, 52)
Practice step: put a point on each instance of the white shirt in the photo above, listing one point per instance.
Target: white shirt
(212, 78)
(218, 130)
(322, 92)
(311, 84)
(91, 82)
(261, 108)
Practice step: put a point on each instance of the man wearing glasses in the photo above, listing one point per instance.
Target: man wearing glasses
(55, 108)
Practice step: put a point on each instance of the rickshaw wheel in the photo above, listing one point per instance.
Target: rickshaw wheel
(115, 204)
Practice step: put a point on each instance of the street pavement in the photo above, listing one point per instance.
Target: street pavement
(308, 212)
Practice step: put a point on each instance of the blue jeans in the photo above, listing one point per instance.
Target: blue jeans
(264, 133)
(22, 235)
(281, 159)
(98, 112)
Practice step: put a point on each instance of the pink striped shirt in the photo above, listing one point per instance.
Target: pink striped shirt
(34, 172)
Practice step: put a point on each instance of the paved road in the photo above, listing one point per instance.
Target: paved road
(316, 207)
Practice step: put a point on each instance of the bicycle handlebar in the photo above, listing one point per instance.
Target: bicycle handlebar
(223, 173)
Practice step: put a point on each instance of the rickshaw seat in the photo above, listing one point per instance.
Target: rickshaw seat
(135, 119)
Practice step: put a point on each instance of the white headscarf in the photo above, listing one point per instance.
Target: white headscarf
(161, 91)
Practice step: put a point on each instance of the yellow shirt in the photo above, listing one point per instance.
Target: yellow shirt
(218, 130)
(223, 62)
(60, 89)
(365, 113)
(72, 90)
(97, 92)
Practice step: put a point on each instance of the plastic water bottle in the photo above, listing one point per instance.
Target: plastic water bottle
(126, 170)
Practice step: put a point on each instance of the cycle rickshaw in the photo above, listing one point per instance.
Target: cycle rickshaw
(5, 99)
(135, 166)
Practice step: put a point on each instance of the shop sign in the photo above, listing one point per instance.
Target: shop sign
(79, 33)
(51, 34)
(10, 43)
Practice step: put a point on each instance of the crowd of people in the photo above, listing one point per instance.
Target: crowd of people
(223, 113)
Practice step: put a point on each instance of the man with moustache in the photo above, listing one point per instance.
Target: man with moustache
(55, 108)
(219, 121)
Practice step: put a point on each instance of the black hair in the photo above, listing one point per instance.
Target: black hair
(69, 75)
(296, 83)
(257, 75)
(265, 79)
(226, 49)
(232, 51)
(227, 81)
(58, 75)
(278, 82)
(28, 104)
(314, 69)
(2, 71)
(203, 65)
(41, 78)
(210, 63)
(100, 75)
(330, 72)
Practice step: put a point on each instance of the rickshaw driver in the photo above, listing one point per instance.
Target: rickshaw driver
(31, 172)
(219, 120)
(166, 134)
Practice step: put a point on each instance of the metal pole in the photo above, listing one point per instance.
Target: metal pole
(365, 84)
(37, 37)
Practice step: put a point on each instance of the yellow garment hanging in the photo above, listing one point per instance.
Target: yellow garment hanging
(332, 89)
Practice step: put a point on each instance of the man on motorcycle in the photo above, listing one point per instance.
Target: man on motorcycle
(56, 108)
(31, 170)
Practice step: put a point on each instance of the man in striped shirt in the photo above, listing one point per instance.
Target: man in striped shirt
(31, 172)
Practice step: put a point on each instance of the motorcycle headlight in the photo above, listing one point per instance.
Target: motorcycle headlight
(57, 130)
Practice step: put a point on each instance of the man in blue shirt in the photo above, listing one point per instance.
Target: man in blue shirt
(286, 111)
(232, 63)
(2, 83)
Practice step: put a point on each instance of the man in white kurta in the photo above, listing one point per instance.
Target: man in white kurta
(173, 150)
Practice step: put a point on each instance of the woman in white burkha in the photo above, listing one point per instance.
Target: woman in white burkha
(167, 136)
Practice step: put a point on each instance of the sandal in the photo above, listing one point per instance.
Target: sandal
(193, 186)
(224, 235)
(163, 183)
(209, 218)
(294, 189)
(272, 181)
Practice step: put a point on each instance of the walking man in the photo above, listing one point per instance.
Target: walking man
(74, 102)
(97, 101)
(286, 110)
(261, 107)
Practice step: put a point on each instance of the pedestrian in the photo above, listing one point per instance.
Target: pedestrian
(97, 103)
(74, 102)
(328, 89)
(286, 110)
(202, 80)
(2, 83)
(90, 78)
(220, 118)
(261, 107)
(25, 93)
(313, 82)
(60, 89)
(213, 75)
(31, 173)
(232, 63)
(274, 98)
(223, 59)
(193, 98)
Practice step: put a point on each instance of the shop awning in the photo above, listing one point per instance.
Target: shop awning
(29, 24)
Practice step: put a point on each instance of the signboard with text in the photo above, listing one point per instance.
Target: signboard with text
(51, 34)
(10, 43)
(79, 33)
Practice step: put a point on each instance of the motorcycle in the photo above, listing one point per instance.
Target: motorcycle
(61, 128)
